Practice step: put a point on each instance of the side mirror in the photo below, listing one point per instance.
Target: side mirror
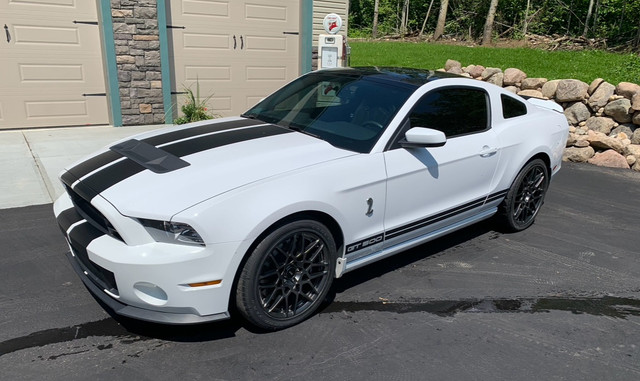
(423, 137)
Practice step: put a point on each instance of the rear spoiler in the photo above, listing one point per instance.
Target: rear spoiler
(551, 105)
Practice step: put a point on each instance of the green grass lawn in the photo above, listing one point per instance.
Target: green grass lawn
(583, 65)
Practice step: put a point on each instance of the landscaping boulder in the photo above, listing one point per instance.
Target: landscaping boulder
(530, 93)
(578, 155)
(600, 124)
(571, 90)
(496, 79)
(619, 110)
(636, 118)
(450, 64)
(549, 88)
(633, 150)
(635, 102)
(474, 70)
(626, 129)
(609, 158)
(601, 141)
(601, 95)
(489, 72)
(533, 83)
(594, 85)
(627, 89)
(635, 138)
(513, 76)
(575, 113)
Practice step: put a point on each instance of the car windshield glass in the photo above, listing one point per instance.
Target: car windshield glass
(348, 111)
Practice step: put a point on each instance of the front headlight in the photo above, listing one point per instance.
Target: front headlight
(172, 232)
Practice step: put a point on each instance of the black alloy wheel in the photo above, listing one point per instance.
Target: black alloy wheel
(287, 276)
(526, 196)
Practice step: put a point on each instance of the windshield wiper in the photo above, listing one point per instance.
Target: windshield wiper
(299, 129)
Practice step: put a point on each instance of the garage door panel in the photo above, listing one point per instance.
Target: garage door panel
(50, 63)
(275, 44)
(266, 73)
(237, 73)
(207, 73)
(48, 3)
(51, 73)
(45, 35)
(206, 41)
(261, 12)
(202, 8)
(48, 109)
(221, 104)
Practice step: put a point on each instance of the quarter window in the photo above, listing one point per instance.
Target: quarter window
(512, 107)
(454, 111)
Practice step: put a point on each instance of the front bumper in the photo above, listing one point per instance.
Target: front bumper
(148, 281)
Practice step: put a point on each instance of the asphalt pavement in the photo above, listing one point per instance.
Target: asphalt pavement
(559, 301)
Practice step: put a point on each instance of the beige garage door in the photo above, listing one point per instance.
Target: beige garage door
(48, 62)
(239, 51)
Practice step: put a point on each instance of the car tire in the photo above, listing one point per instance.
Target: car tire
(525, 197)
(287, 276)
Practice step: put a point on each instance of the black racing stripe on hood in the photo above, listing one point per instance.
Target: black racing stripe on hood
(189, 147)
(98, 182)
(108, 157)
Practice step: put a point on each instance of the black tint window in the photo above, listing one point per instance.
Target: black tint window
(454, 111)
(512, 107)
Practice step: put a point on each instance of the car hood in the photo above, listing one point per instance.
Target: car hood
(157, 175)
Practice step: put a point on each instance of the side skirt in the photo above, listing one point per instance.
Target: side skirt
(389, 251)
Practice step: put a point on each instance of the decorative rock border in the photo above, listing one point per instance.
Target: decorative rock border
(604, 119)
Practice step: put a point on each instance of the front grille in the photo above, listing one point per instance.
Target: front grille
(92, 215)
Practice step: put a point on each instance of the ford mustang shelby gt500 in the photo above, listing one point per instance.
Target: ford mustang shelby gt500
(335, 170)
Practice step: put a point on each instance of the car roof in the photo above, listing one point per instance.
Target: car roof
(404, 76)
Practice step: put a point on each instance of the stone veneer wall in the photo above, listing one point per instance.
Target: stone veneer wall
(135, 28)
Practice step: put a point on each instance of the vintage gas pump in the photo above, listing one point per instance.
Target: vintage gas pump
(332, 47)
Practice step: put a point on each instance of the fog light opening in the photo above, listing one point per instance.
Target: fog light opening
(150, 293)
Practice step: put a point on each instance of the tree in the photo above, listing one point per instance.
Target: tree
(442, 18)
(586, 22)
(374, 29)
(488, 26)
(405, 18)
(426, 18)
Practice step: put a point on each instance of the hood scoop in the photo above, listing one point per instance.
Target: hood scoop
(149, 156)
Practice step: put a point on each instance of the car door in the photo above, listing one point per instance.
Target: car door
(431, 188)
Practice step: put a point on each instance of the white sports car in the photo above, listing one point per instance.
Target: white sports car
(338, 169)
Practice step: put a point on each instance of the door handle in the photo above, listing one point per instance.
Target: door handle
(488, 151)
(235, 43)
(241, 43)
(6, 30)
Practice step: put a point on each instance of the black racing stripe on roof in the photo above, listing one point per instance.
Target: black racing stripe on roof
(98, 182)
(108, 157)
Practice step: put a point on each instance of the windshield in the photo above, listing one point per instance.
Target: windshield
(348, 111)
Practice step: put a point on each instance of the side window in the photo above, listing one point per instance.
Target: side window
(512, 107)
(454, 111)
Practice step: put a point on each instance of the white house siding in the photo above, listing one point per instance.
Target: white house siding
(322, 8)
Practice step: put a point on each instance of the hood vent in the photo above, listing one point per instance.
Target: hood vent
(149, 156)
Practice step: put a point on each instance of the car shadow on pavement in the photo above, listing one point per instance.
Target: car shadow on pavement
(413, 255)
